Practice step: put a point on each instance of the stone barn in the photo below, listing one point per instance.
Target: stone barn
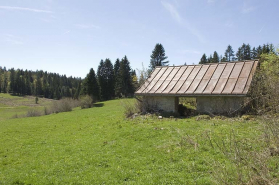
(218, 87)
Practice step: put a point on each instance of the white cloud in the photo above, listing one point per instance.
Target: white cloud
(87, 26)
(13, 39)
(247, 9)
(183, 22)
(24, 9)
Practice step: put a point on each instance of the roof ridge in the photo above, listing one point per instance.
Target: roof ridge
(210, 63)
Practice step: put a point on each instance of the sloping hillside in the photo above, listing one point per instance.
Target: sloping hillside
(100, 146)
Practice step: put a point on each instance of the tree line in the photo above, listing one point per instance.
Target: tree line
(244, 52)
(118, 80)
(38, 83)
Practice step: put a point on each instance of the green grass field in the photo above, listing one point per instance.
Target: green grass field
(99, 146)
(17, 106)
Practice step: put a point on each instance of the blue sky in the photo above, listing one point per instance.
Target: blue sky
(71, 36)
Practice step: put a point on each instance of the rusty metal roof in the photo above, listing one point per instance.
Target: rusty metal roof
(214, 79)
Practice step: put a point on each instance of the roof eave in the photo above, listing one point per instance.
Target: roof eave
(192, 95)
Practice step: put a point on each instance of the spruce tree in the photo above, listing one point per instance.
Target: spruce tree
(12, 81)
(247, 52)
(5, 83)
(209, 60)
(124, 86)
(106, 79)
(254, 53)
(92, 85)
(1, 81)
(215, 58)
(203, 59)
(229, 54)
(158, 57)
(116, 78)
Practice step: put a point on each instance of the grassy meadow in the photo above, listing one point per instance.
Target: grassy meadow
(100, 146)
(17, 106)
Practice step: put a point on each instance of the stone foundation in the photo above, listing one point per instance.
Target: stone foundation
(165, 103)
(219, 105)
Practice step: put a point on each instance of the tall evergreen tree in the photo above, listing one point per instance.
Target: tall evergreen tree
(158, 57)
(209, 59)
(124, 85)
(247, 52)
(12, 81)
(106, 79)
(240, 54)
(203, 59)
(92, 85)
(253, 53)
(215, 58)
(5, 83)
(1, 83)
(229, 54)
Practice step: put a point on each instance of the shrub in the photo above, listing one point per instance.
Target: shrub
(130, 107)
(33, 113)
(64, 105)
(86, 102)
(265, 87)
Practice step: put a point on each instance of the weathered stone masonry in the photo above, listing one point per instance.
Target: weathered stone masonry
(166, 103)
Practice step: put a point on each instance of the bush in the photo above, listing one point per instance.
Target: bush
(86, 102)
(64, 105)
(33, 113)
(264, 90)
(130, 107)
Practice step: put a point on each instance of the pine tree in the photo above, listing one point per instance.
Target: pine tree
(240, 54)
(209, 60)
(229, 54)
(116, 78)
(5, 84)
(106, 79)
(259, 51)
(158, 57)
(247, 52)
(124, 86)
(92, 85)
(215, 58)
(1, 80)
(12, 81)
(254, 53)
(203, 59)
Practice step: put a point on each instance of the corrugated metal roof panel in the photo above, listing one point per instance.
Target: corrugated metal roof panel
(233, 78)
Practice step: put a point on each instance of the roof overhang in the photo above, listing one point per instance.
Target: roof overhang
(213, 79)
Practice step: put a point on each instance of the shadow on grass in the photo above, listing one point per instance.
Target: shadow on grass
(98, 104)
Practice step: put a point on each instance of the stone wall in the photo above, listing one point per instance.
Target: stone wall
(219, 105)
(165, 103)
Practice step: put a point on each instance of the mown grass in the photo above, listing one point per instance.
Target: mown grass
(100, 146)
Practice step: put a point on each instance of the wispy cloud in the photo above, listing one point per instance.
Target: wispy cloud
(173, 11)
(24, 9)
(247, 9)
(261, 29)
(183, 22)
(13, 39)
(229, 24)
(211, 1)
(86, 26)
(190, 51)
(67, 32)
